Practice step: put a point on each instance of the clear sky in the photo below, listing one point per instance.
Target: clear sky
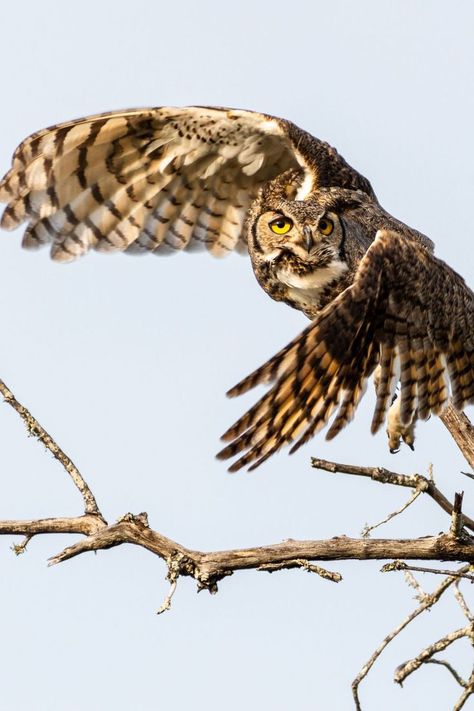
(126, 362)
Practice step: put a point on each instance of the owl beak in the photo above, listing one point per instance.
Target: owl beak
(308, 238)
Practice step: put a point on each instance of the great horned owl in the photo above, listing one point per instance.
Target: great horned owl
(164, 180)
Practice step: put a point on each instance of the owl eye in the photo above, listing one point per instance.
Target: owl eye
(325, 226)
(281, 225)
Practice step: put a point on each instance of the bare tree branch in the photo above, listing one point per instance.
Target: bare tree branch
(35, 430)
(451, 669)
(462, 602)
(20, 548)
(173, 575)
(401, 565)
(404, 670)
(384, 476)
(208, 568)
(367, 530)
(301, 563)
(87, 525)
(457, 519)
(461, 430)
(468, 691)
(428, 601)
(414, 583)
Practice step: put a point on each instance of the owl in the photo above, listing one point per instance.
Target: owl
(165, 180)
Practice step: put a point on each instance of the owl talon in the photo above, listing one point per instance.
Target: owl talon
(398, 432)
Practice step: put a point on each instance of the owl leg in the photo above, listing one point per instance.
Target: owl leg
(396, 431)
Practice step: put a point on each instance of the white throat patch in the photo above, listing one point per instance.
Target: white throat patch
(307, 287)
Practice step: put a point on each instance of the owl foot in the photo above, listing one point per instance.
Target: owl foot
(396, 431)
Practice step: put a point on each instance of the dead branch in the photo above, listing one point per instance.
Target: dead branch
(462, 602)
(367, 530)
(208, 568)
(401, 565)
(414, 583)
(404, 670)
(384, 476)
(429, 599)
(457, 519)
(451, 669)
(301, 563)
(35, 430)
(468, 691)
(461, 430)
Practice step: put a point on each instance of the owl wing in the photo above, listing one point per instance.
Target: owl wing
(156, 180)
(407, 311)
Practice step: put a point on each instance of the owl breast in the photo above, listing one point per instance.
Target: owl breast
(307, 291)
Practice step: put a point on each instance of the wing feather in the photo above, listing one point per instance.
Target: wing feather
(406, 311)
(159, 180)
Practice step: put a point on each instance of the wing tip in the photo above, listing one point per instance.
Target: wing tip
(234, 391)
(225, 454)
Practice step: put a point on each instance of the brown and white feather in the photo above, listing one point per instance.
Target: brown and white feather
(405, 306)
(167, 180)
(154, 180)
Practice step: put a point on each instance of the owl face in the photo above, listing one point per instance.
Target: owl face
(297, 249)
(298, 237)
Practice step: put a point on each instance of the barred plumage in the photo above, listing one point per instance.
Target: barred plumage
(391, 308)
(158, 180)
(163, 180)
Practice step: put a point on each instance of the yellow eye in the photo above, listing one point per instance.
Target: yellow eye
(281, 225)
(326, 226)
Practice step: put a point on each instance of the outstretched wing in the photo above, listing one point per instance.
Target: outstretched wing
(406, 310)
(156, 180)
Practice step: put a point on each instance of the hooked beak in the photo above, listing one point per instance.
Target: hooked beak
(308, 238)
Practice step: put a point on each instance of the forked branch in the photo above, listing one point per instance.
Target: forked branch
(208, 568)
(36, 430)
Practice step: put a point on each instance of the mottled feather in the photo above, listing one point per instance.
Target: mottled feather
(156, 180)
(165, 180)
(399, 305)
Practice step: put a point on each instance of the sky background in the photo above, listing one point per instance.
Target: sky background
(126, 361)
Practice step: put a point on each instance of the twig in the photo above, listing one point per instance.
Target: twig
(413, 583)
(167, 601)
(404, 670)
(20, 548)
(301, 563)
(428, 602)
(35, 430)
(462, 602)
(468, 691)
(447, 665)
(173, 575)
(401, 565)
(384, 476)
(456, 516)
(366, 531)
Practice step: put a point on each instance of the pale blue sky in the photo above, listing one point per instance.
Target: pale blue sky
(126, 362)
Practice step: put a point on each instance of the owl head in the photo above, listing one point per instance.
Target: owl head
(300, 247)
